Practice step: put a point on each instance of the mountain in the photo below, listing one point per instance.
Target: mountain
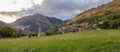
(33, 22)
(113, 6)
(2, 23)
(106, 16)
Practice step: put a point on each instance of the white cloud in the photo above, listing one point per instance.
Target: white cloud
(10, 6)
(7, 19)
(65, 9)
(17, 5)
(62, 9)
(38, 2)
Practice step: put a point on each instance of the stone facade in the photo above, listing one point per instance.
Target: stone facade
(77, 28)
(40, 33)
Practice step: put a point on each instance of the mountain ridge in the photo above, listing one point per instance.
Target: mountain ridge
(33, 22)
(111, 6)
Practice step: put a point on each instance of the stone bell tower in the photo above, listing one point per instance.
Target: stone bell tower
(40, 33)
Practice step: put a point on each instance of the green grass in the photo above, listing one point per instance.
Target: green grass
(88, 41)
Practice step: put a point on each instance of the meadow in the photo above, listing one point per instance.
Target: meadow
(87, 41)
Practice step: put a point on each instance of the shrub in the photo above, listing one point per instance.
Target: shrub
(108, 12)
(111, 24)
(119, 21)
(105, 25)
(115, 24)
(113, 17)
(80, 21)
(7, 32)
(52, 31)
(15, 34)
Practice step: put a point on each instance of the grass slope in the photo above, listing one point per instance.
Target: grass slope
(112, 6)
(89, 41)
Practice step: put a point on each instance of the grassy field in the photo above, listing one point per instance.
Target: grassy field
(88, 41)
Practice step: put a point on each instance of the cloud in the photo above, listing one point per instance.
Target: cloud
(17, 5)
(64, 9)
(11, 10)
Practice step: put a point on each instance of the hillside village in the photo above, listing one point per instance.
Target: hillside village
(60, 26)
(92, 19)
(78, 27)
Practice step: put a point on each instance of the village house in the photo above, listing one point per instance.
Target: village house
(77, 27)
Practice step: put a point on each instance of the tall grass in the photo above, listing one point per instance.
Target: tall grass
(89, 41)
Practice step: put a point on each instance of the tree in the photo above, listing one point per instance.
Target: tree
(111, 24)
(52, 31)
(115, 24)
(105, 25)
(119, 23)
(7, 32)
(15, 34)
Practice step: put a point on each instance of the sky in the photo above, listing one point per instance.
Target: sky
(11, 10)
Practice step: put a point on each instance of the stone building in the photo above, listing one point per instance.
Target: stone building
(77, 27)
(40, 32)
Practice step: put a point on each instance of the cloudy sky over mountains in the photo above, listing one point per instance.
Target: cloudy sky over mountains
(63, 9)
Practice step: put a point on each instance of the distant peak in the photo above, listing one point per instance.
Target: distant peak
(36, 14)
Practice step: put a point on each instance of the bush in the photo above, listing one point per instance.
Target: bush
(115, 24)
(119, 21)
(91, 20)
(113, 16)
(7, 32)
(15, 34)
(80, 21)
(111, 24)
(52, 31)
(105, 25)
(108, 12)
